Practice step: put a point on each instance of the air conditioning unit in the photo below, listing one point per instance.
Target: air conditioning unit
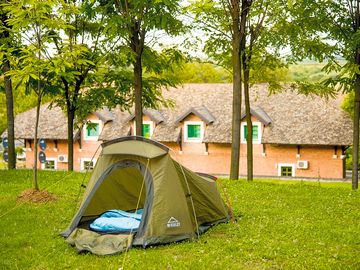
(302, 164)
(62, 158)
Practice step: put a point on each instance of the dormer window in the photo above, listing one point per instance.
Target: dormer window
(92, 130)
(194, 131)
(256, 132)
(147, 129)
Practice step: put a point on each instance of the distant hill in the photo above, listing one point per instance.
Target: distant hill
(311, 72)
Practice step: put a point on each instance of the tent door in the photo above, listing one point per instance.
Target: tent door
(99, 244)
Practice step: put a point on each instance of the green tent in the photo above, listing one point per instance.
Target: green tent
(133, 173)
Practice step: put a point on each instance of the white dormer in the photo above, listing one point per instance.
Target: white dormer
(256, 132)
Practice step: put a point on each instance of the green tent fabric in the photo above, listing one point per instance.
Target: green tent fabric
(106, 244)
(135, 172)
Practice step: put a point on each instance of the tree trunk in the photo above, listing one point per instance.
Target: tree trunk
(249, 141)
(236, 104)
(246, 53)
(236, 116)
(35, 170)
(10, 116)
(355, 153)
(9, 96)
(70, 130)
(138, 94)
(355, 169)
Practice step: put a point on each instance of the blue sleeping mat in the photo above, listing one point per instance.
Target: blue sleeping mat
(117, 221)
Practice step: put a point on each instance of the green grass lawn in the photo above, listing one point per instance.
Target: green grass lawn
(281, 225)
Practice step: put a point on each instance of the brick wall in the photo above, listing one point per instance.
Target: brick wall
(86, 151)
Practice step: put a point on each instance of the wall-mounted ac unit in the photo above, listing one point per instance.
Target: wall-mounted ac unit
(62, 158)
(302, 164)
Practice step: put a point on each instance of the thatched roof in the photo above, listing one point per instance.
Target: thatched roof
(289, 118)
(120, 126)
(105, 115)
(154, 115)
(260, 115)
(52, 123)
(202, 112)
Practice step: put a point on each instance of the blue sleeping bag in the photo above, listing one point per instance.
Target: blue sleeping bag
(117, 221)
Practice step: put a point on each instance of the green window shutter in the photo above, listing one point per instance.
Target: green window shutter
(194, 131)
(255, 133)
(146, 130)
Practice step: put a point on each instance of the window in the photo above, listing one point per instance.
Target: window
(194, 131)
(87, 164)
(256, 132)
(50, 164)
(147, 129)
(286, 170)
(92, 130)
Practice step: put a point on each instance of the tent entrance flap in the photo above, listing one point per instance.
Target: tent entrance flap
(99, 244)
(119, 188)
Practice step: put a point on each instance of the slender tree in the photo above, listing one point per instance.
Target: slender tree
(32, 20)
(79, 54)
(7, 44)
(131, 22)
(330, 29)
(238, 39)
(224, 22)
(236, 28)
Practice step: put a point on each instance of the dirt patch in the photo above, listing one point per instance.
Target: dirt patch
(36, 196)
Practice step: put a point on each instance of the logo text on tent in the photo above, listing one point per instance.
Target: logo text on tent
(173, 223)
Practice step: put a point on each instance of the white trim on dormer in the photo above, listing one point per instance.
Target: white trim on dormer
(259, 125)
(186, 124)
(92, 138)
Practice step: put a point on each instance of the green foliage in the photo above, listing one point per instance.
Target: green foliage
(348, 103)
(32, 21)
(214, 18)
(280, 225)
(19, 150)
(200, 72)
(326, 34)
(147, 15)
(308, 72)
(349, 159)
(134, 26)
